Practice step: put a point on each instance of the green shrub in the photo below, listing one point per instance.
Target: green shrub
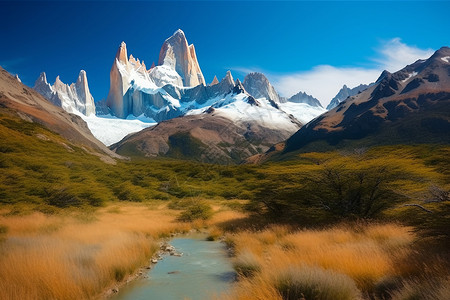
(305, 282)
(197, 211)
(62, 198)
(126, 191)
(92, 198)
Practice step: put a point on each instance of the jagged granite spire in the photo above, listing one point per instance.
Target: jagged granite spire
(215, 81)
(73, 98)
(43, 87)
(181, 57)
(257, 85)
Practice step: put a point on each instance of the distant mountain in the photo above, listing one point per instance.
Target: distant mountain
(408, 106)
(174, 87)
(75, 97)
(21, 101)
(177, 55)
(156, 92)
(302, 97)
(344, 93)
(257, 85)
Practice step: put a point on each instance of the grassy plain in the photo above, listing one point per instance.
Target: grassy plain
(375, 221)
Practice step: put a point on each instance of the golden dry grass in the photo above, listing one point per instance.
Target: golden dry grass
(76, 256)
(363, 253)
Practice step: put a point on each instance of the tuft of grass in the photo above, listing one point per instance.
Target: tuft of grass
(247, 264)
(430, 289)
(214, 234)
(305, 282)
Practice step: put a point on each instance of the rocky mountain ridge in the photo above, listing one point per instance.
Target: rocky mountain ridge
(73, 98)
(408, 106)
(30, 106)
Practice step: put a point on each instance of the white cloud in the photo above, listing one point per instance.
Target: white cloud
(395, 55)
(324, 81)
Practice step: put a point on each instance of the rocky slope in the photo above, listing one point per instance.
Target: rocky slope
(19, 100)
(73, 98)
(408, 106)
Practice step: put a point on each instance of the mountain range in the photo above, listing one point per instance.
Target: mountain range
(229, 121)
(409, 106)
(175, 90)
(73, 98)
(28, 106)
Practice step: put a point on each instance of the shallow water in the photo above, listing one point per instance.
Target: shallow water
(204, 271)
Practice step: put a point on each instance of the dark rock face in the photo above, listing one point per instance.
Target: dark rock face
(252, 101)
(238, 88)
(415, 83)
(432, 77)
(385, 88)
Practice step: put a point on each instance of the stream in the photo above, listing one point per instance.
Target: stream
(202, 272)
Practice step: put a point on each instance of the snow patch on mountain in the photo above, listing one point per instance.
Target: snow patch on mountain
(110, 130)
(238, 108)
(446, 59)
(302, 111)
(410, 75)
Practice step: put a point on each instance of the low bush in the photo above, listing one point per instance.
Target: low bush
(196, 211)
(127, 192)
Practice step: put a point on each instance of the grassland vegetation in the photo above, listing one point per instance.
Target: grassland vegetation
(376, 219)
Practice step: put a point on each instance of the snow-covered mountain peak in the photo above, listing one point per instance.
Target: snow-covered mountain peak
(43, 87)
(178, 33)
(228, 78)
(302, 97)
(82, 80)
(58, 83)
(121, 54)
(178, 55)
(73, 98)
(257, 85)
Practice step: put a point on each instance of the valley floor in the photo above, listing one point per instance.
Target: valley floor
(79, 254)
(76, 254)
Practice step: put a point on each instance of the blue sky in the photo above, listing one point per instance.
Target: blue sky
(310, 46)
